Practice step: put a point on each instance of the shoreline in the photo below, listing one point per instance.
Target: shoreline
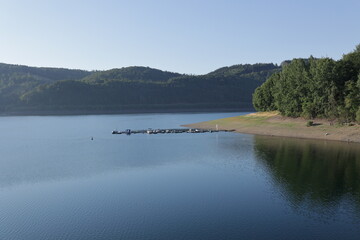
(273, 124)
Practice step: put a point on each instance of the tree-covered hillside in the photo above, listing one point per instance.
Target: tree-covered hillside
(143, 74)
(314, 88)
(137, 88)
(16, 80)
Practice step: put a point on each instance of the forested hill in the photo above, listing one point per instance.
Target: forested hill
(314, 88)
(28, 89)
(144, 74)
(16, 80)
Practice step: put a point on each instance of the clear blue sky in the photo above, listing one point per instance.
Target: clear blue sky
(183, 36)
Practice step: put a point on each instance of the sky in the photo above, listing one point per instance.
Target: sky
(193, 37)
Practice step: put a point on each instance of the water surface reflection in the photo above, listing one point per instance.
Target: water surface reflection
(317, 175)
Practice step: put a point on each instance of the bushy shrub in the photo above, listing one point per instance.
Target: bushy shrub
(309, 123)
(358, 116)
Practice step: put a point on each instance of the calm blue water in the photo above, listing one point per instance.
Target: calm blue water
(55, 183)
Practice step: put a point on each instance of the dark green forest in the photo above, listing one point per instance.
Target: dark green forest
(17, 80)
(29, 89)
(314, 88)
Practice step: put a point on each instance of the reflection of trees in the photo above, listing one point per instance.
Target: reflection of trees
(322, 172)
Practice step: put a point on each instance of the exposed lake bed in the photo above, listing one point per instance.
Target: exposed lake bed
(273, 124)
(57, 183)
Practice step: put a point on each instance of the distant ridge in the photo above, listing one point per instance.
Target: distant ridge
(29, 90)
(133, 73)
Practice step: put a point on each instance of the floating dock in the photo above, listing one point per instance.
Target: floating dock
(169, 130)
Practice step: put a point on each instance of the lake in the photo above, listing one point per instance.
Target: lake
(57, 183)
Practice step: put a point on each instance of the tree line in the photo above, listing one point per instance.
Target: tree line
(314, 88)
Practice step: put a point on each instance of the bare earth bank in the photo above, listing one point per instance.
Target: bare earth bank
(273, 124)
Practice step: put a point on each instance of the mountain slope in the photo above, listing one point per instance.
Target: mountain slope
(144, 74)
(146, 88)
(16, 80)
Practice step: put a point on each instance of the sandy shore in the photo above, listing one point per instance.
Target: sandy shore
(273, 124)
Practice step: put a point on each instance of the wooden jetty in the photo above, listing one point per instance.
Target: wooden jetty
(169, 130)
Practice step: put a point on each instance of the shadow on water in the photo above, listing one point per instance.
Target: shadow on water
(316, 174)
